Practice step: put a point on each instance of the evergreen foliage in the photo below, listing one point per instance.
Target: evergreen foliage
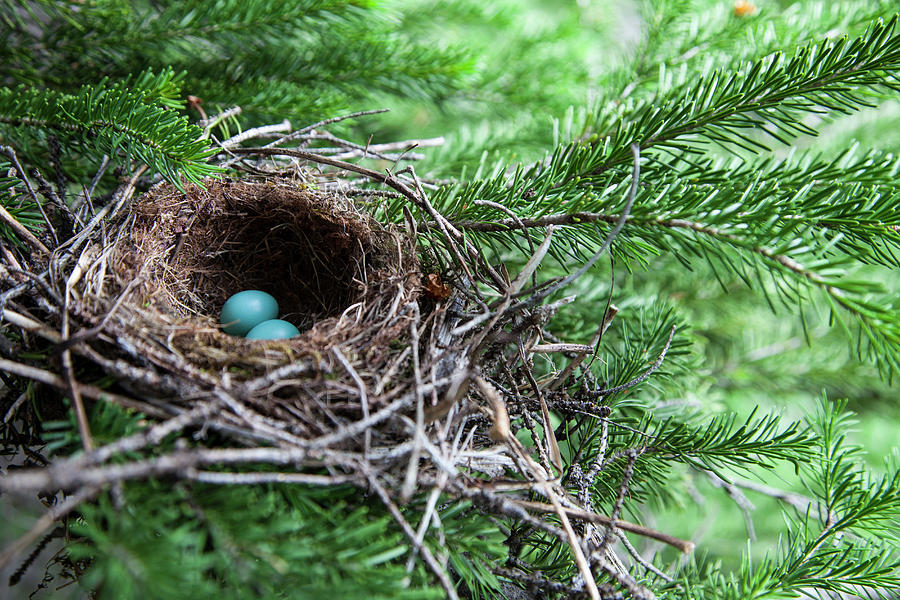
(711, 100)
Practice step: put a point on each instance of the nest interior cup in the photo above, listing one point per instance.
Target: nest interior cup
(314, 251)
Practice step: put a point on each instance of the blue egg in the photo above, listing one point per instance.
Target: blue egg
(274, 329)
(245, 310)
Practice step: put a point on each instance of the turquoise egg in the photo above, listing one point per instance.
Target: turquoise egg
(274, 329)
(245, 310)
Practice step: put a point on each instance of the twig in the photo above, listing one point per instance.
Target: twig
(640, 559)
(223, 478)
(47, 520)
(15, 407)
(577, 513)
(249, 134)
(363, 395)
(409, 481)
(421, 548)
(625, 484)
(798, 501)
(84, 428)
(377, 417)
(11, 155)
(639, 378)
(620, 222)
(23, 232)
(300, 132)
(87, 390)
(743, 503)
(208, 124)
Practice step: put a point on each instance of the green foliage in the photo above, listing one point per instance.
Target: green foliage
(236, 542)
(722, 208)
(131, 118)
(305, 59)
(192, 540)
(12, 198)
(784, 237)
(845, 543)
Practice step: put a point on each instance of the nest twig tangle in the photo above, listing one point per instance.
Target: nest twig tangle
(403, 382)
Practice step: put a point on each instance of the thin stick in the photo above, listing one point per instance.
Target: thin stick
(84, 428)
(11, 154)
(256, 132)
(221, 478)
(308, 128)
(639, 378)
(620, 222)
(22, 232)
(422, 549)
(15, 407)
(683, 545)
(409, 482)
(363, 396)
(48, 519)
(90, 391)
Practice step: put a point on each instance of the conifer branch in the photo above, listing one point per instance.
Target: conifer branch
(113, 119)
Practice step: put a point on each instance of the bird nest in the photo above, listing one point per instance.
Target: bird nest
(156, 291)
(333, 270)
(403, 379)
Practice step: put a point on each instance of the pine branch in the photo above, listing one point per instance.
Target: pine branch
(817, 554)
(720, 443)
(171, 25)
(113, 119)
(771, 94)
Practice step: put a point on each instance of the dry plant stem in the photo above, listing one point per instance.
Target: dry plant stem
(539, 474)
(798, 501)
(84, 200)
(363, 395)
(15, 407)
(90, 391)
(405, 146)
(737, 496)
(249, 134)
(300, 132)
(11, 155)
(587, 217)
(609, 315)
(422, 549)
(122, 194)
(642, 377)
(207, 124)
(63, 476)
(355, 150)
(46, 521)
(640, 559)
(22, 232)
(452, 232)
(221, 478)
(592, 517)
(84, 429)
(531, 266)
(536, 580)
(151, 437)
(385, 413)
(620, 222)
(627, 474)
(412, 471)
(574, 543)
